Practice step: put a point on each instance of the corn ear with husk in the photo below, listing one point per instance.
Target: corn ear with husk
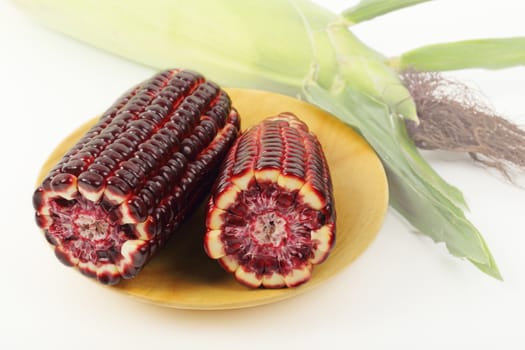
(297, 48)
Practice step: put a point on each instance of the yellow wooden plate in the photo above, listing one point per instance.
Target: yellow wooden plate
(182, 276)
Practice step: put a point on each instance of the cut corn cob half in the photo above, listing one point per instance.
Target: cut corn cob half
(116, 196)
(271, 215)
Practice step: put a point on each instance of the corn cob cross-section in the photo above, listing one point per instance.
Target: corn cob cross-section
(271, 216)
(119, 193)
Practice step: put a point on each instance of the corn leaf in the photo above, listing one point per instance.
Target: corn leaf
(369, 9)
(412, 191)
(417, 192)
(480, 53)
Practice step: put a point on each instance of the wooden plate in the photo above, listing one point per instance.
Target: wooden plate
(182, 276)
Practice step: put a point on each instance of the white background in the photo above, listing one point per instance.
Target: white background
(404, 292)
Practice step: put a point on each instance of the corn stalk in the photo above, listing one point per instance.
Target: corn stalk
(300, 49)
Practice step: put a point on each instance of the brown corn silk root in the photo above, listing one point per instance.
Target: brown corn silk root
(452, 117)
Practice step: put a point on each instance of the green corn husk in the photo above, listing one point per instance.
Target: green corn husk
(480, 53)
(292, 47)
(369, 9)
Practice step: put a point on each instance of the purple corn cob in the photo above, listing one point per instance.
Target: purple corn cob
(121, 191)
(271, 216)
